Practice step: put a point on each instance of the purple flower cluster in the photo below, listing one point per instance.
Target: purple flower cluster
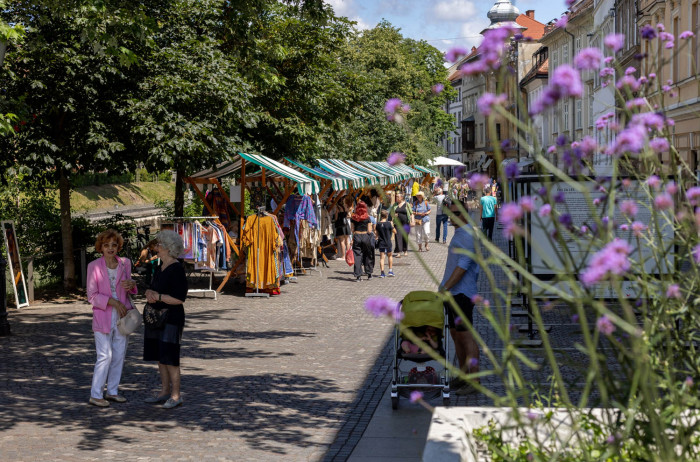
(629, 208)
(395, 108)
(647, 32)
(605, 325)
(508, 216)
(512, 170)
(663, 201)
(659, 145)
(588, 59)
(565, 82)
(611, 259)
(488, 101)
(415, 396)
(379, 305)
(453, 54)
(490, 51)
(630, 140)
(615, 42)
(696, 254)
(478, 181)
(673, 291)
(693, 196)
(396, 158)
(437, 88)
(685, 35)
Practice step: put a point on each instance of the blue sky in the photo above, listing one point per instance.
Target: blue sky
(444, 23)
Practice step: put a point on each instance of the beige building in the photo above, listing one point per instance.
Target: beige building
(680, 66)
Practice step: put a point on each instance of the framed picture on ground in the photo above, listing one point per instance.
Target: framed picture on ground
(19, 286)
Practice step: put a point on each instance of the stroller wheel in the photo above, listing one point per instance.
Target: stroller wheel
(445, 402)
(394, 402)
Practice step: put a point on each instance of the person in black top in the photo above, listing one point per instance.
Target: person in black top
(342, 230)
(168, 291)
(362, 241)
(385, 230)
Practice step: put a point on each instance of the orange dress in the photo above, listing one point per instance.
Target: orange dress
(262, 272)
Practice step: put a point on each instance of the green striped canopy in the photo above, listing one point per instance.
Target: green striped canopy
(343, 171)
(337, 183)
(383, 177)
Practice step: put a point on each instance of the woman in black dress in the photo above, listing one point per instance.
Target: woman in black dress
(168, 291)
(402, 212)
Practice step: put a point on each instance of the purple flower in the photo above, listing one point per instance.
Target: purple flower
(545, 210)
(486, 103)
(379, 305)
(666, 37)
(649, 120)
(647, 32)
(630, 70)
(696, 254)
(478, 181)
(629, 208)
(685, 35)
(574, 318)
(416, 396)
(654, 182)
(407, 228)
(392, 105)
(437, 88)
(453, 54)
(566, 220)
(459, 171)
(673, 291)
(512, 170)
(476, 299)
(689, 382)
(396, 158)
(611, 259)
(552, 149)
(458, 320)
(663, 201)
(473, 362)
(605, 325)
(693, 196)
(671, 188)
(563, 21)
(532, 416)
(589, 146)
(628, 81)
(638, 228)
(624, 227)
(615, 42)
(588, 59)
(565, 82)
(630, 140)
(559, 197)
(527, 203)
(509, 213)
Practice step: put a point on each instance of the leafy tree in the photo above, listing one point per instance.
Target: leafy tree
(72, 75)
(192, 106)
(382, 64)
(8, 34)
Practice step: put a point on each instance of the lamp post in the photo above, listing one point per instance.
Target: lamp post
(4, 324)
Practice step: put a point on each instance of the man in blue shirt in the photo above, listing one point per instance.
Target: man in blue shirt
(461, 275)
(489, 211)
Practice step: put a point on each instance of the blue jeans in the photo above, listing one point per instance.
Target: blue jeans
(441, 219)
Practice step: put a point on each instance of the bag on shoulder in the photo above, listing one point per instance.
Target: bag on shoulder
(418, 222)
(153, 318)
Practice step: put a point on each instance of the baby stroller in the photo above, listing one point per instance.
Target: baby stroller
(421, 309)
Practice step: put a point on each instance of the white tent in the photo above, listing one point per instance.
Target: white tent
(445, 162)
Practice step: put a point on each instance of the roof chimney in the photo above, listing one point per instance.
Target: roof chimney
(530, 14)
(473, 49)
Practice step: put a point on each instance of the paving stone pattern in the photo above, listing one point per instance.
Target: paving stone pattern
(293, 378)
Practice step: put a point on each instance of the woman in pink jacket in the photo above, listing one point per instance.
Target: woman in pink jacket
(108, 285)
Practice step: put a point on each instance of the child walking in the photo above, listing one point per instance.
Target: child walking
(385, 232)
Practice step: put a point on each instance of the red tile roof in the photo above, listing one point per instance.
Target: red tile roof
(533, 28)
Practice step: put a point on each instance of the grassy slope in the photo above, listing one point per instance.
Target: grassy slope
(108, 195)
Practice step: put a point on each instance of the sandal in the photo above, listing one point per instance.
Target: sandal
(420, 248)
(426, 248)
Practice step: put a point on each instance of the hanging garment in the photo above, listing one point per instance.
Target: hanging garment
(260, 237)
(220, 206)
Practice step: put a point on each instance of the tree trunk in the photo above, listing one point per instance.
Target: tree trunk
(179, 194)
(66, 232)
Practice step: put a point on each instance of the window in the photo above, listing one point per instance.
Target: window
(555, 59)
(578, 44)
(590, 109)
(555, 120)
(579, 114)
(566, 115)
(674, 56)
(565, 54)
(482, 140)
(460, 94)
(498, 132)
(695, 27)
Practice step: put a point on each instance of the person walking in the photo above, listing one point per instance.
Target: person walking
(342, 230)
(168, 292)
(421, 209)
(108, 285)
(489, 211)
(362, 241)
(440, 216)
(401, 215)
(385, 230)
(460, 282)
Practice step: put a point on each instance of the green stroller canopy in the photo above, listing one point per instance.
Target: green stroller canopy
(423, 308)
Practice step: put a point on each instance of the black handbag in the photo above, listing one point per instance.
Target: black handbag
(154, 318)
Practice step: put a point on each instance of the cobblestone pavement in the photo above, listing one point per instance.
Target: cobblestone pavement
(289, 378)
(296, 377)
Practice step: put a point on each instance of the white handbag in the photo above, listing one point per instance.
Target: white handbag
(131, 322)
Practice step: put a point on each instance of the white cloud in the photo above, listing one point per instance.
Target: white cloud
(470, 32)
(343, 7)
(454, 10)
(361, 23)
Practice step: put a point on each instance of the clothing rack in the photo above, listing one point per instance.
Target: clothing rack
(211, 272)
(260, 213)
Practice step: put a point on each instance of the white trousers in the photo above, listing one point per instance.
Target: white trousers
(111, 349)
(422, 233)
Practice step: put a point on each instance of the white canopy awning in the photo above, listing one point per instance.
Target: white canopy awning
(441, 161)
